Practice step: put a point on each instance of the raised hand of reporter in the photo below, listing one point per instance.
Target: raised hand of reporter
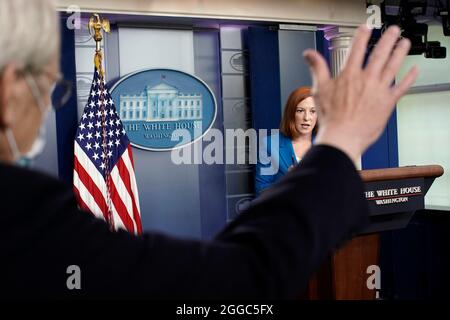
(355, 107)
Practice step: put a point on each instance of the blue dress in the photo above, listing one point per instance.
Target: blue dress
(283, 159)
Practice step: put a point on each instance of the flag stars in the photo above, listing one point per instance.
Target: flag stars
(101, 126)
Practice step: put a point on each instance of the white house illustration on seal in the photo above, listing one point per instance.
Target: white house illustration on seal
(162, 102)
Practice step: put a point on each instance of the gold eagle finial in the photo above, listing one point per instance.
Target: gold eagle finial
(96, 27)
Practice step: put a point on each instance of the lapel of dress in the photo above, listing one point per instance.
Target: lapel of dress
(287, 156)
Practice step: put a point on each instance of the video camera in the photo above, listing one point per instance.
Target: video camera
(405, 13)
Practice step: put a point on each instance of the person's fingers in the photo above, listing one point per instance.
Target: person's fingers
(383, 49)
(359, 47)
(319, 68)
(399, 90)
(395, 62)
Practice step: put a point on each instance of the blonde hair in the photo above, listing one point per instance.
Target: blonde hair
(29, 33)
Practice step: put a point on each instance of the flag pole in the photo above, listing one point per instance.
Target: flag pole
(104, 178)
(96, 28)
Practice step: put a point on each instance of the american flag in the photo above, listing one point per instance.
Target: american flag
(104, 180)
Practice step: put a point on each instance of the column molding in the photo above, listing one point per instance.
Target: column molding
(340, 39)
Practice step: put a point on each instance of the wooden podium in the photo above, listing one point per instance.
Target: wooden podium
(393, 195)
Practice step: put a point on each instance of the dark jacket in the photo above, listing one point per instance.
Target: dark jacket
(269, 251)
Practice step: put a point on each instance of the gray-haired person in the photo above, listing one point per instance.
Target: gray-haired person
(269, 251)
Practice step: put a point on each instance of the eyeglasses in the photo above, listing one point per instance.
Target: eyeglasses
(61, 90)
(61, 93)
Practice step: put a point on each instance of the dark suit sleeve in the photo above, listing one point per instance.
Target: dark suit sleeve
(269, 251)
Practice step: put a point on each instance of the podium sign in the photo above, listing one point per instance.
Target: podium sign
(392, 203)
(395, 196)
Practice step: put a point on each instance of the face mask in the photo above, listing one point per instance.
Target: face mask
(25, 160)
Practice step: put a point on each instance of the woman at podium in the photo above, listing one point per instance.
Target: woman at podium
(297, 129)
